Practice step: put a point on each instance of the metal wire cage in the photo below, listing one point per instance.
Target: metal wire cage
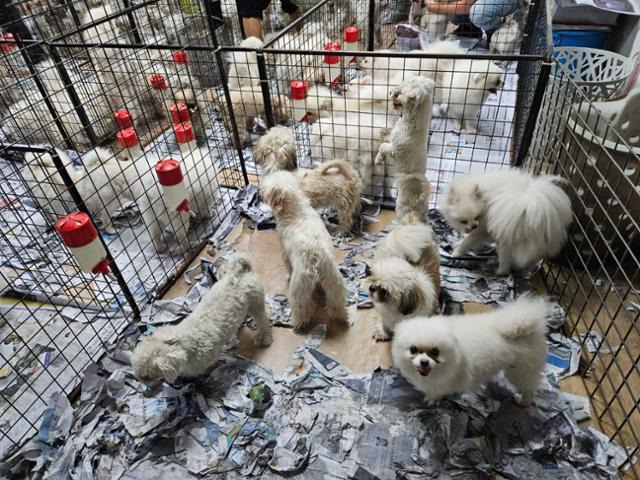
(596, 277)
(88, 110)
(496, 99)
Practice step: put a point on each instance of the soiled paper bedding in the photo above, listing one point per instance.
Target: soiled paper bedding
(318, 420)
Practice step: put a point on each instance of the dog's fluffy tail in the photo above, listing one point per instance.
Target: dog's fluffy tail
(535, 221)
(337, 166)
(526, 316)
(240, 263)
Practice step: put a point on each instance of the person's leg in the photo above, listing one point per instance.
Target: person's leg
(488, 14)
(250, 11)
(292, 10)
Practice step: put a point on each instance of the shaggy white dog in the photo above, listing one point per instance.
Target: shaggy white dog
(243, 66)
(193, 346)
(101, 184)
(307, 251)
(413, 192)
(406, 145)
(443, 355)
(527, 216)
(399, 290)
(334, 184)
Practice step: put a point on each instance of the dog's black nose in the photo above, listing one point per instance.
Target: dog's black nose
(424, 363)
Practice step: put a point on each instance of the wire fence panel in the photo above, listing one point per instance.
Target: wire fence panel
(597, 277)
(94, 109)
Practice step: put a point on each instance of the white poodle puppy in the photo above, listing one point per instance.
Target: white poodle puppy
(399, 290)
(243, 66)
(101, 184)
(307, 251)
(334, 184)
(193, 346)
(406, 145)
(527, 216)
(443, 355)
(413, 192)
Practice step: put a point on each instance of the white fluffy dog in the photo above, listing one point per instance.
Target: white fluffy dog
(464, 88)
(334, 184)
(406, 145)
(527, 216)
(101, 184)
(355, 138)
(193, 346)
(307, 251)
(453, 354)
(399, 290)
(243, 66)
(413, 192)
(360, 96)
(199, 177)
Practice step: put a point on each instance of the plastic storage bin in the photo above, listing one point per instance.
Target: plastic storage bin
(579, 38)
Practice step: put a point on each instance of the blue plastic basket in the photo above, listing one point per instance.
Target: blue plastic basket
(579, 38)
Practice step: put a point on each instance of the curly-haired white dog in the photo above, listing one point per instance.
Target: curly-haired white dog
(413, 195)
(455, 353)
(243, 66)
(399, 290)
(334, 184)
(406, 146)
(194, 345)
(527, 216)
(307, 251)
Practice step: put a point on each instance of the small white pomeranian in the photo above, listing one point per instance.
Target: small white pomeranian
(527, 216)
(443, 355)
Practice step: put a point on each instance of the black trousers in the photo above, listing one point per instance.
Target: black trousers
(254, 8)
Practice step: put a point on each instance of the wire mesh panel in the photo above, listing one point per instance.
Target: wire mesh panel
(96, 118)
(347, 111)
(598, 277)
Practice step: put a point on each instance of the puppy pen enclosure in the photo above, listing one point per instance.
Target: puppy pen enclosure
(597, 277)
(117, 78)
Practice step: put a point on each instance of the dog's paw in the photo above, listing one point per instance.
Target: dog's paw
(263, 340)
(431, 402)
(523, 399)
(457, 252)
(379, 335)
(503, 271)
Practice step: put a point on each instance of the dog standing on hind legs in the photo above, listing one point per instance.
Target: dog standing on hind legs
(307, 251)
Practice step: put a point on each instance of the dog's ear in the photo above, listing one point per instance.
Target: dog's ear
(276, 197)
(477, 193)
(411, 300)
(287, 158)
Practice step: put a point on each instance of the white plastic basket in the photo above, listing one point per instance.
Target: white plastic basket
(600, 73)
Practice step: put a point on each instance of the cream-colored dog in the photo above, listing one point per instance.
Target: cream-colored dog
(334, 184)
(413, 195)
(307, 251)
(193, 346)
(406, 145)
(243, 66)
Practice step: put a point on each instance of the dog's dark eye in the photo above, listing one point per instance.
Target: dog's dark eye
(383, 295)
(463, 222)
(413, 349)
(477, 218)
(434, 352)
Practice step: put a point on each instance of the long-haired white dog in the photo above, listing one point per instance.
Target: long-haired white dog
(307, 251)
(101, 184)
(399, 291)
(443, 355)
(413, 193)
(406, 145)
(243, 66)
(527, 216)
(334, 184)
(194, 345)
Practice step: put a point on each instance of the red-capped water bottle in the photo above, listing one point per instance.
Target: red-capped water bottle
(351, 35)
(171, 179)
(299, 91)
(128, 140)
(179, 112)
(185, 137)
(331, 64)
(80, 236)
(123, 118)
